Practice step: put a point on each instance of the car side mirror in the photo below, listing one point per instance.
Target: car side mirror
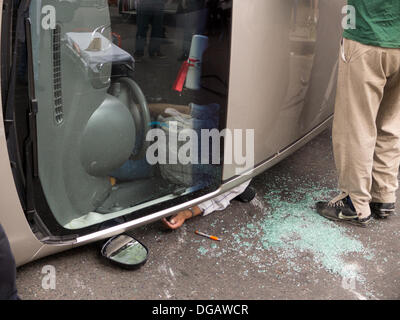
(125, 251)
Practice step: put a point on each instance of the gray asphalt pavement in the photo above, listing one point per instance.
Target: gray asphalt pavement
(276, 247)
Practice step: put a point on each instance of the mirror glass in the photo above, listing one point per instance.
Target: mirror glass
(125, 251)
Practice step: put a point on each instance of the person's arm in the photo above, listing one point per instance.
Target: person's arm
(179, 219)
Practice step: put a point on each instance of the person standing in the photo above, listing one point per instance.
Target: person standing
(366, 127)
(8, 288)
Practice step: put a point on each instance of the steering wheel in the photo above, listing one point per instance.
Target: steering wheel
(130, 94)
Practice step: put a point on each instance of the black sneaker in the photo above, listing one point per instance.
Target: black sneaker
(341, 210)
(382, 210)
(247, 195)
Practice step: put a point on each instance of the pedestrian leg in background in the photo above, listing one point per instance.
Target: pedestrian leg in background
(8, 288)
(156, 32)
(143, 19)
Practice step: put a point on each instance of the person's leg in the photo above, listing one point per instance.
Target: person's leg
(143, 18)
(222, 201)
(8, 288)
(387, 150)
(156, 31)
(360, 90)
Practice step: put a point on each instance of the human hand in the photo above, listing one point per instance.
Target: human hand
(177, 220)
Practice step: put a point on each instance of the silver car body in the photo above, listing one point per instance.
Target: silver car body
(287, 99)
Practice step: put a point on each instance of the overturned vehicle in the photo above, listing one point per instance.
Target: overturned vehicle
(106, 127)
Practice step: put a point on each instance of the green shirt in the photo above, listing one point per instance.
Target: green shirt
(377, 23)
